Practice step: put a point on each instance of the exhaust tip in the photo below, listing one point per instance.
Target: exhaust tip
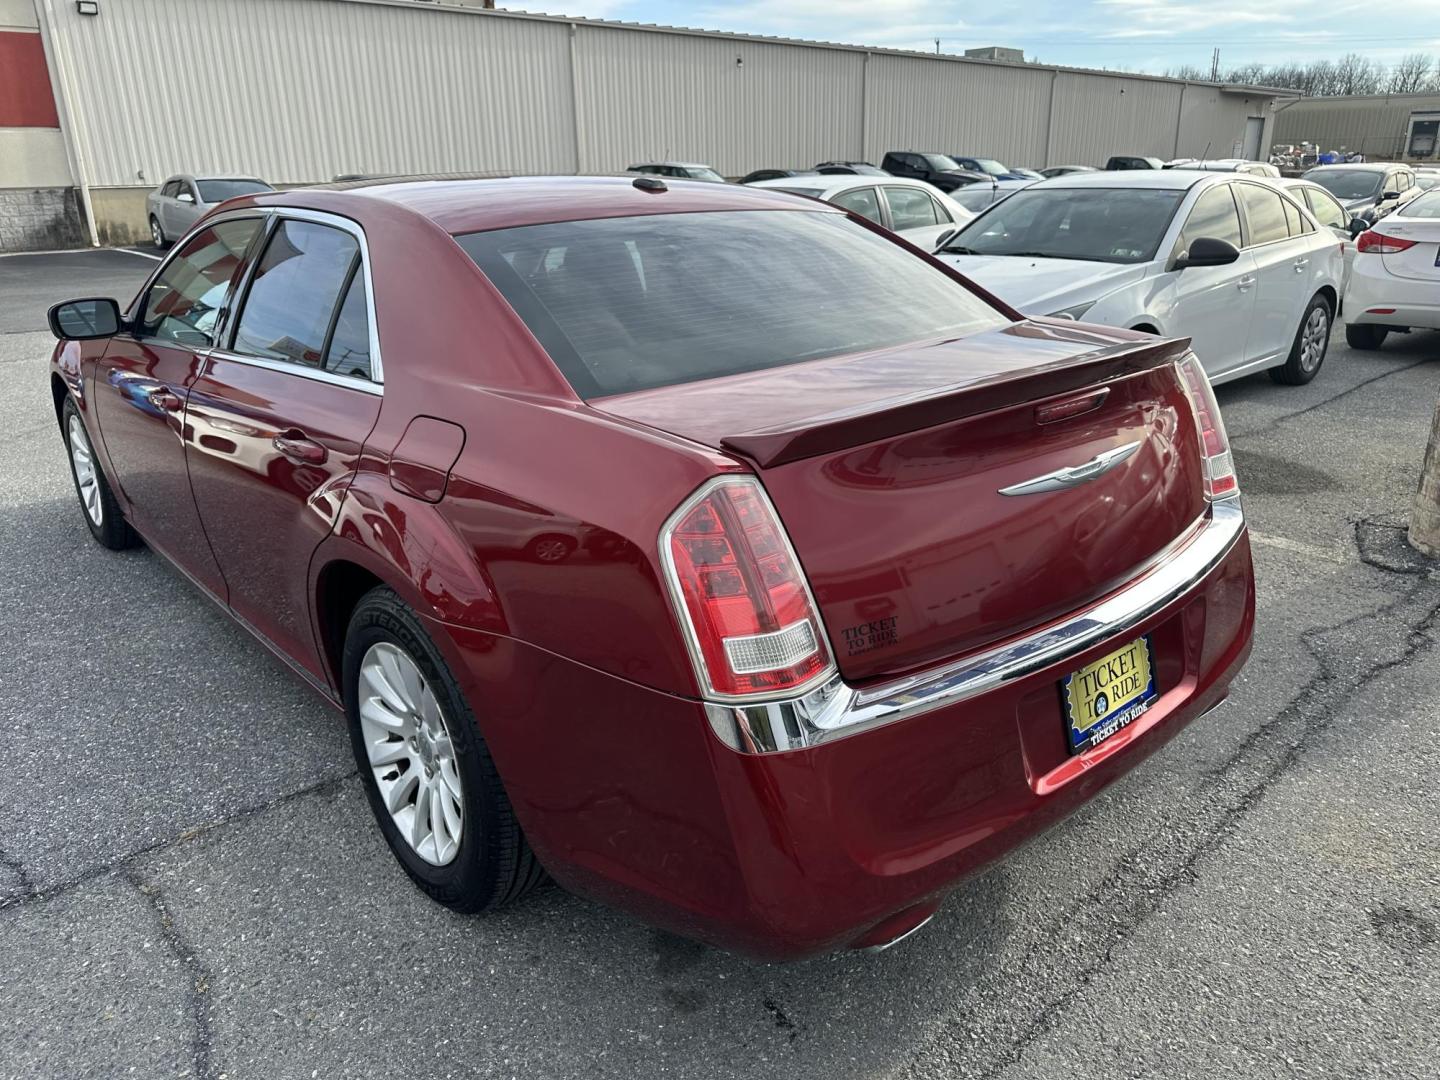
(897, 928)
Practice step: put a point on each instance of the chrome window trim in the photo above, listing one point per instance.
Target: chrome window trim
(376, 382)
(288, 368)
(837, 710)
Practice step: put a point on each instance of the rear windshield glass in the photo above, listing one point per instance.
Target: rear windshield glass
(1347, 183)
(213, 191)
(625, 304)
(1426, 206)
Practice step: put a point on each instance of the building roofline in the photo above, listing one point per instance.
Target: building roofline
(1430, 95)
(763, 39)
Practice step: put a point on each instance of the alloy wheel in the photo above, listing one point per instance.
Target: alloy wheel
(82, 457)
(411, 753)
(156, 236)
(1314, 338)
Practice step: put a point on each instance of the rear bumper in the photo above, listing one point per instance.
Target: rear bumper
(1403, 301)
(628, 795)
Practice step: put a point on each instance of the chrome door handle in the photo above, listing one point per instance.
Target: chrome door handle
(162, 398)
(294, 445)
(1244, 283)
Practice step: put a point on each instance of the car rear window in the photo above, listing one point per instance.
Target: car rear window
(214, 191)
(625, 304)
(1426, 206)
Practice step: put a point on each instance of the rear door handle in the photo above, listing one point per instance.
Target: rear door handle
(1300, 265)
(294, 445)
(1244, 283)
(162, 398)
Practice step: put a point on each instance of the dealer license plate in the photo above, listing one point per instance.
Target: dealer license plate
(1103, 697)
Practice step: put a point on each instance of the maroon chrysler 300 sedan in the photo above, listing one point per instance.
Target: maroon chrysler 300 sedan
(714, 550)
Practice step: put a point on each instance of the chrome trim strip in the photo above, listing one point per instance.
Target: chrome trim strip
(287, 368)
(1075, 475)
(908, 933)
(836, 710)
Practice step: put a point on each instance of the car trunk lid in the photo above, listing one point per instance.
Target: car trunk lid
(890, 472)
(1419, 260)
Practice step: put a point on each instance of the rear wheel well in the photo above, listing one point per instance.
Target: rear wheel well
(1330, 298)
(337, 592)
(1146, 328)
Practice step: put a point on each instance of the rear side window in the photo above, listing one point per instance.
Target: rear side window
(185, 300)
(910, 208)
(863, 202)
(349, 349)
(292, 298)
(1265, 212)
(625, 304)
(1215, 216)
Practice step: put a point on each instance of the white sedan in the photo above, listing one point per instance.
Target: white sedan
(919, 212)
(1395, 282)
(1230, 261)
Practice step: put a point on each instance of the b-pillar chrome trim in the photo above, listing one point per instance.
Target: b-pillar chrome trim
(836, 710)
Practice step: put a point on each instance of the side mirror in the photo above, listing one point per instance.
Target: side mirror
(1208, 251)
(1357, 225)
(185, 197)
(1389, 196)
(85, 320)
(944, 238)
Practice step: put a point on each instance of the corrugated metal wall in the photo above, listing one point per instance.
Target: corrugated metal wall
(297, 91)
(1375, 126)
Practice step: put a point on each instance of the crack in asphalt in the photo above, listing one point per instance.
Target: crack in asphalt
(201, 1042)
(1140, 883)
(1283, 417)
(35, 894)
(22, 877)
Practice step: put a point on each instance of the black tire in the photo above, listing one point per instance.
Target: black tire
(112, 530)
(157, 234)
(494, 865)
(1313, 333)
(1365, 337)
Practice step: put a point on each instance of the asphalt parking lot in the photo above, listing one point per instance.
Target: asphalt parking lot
(191, 883)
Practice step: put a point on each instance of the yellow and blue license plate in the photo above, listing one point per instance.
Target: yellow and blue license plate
(1103, 697)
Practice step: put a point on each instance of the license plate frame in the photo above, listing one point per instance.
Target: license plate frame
(1088, 720)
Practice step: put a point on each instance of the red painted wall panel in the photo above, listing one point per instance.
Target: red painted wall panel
(25, 97)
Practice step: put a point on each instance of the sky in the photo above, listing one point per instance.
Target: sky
(1137, 35)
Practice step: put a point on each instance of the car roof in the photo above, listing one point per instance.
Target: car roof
(672, 164)
(1163, 179)
(469, 204)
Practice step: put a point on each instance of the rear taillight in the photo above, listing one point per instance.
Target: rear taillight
(741, 596)
(1220, 478)
(1380, 244)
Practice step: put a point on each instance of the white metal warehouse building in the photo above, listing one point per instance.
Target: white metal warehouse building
(299, 91)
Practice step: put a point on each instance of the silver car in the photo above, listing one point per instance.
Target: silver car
(179, 202)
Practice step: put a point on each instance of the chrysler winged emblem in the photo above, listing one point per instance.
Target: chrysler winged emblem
(1075, 475)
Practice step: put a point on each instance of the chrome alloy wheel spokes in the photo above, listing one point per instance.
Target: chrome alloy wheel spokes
(1314, 338)
(411, 753)
(86, 478)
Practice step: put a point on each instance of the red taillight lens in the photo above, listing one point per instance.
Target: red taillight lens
(1380, 244)
(1220, 480)
(748, 614)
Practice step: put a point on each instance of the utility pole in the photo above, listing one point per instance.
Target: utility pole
(1215, 65)
(937, 46)
(1425, 518)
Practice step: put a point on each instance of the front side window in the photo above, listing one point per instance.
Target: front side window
(910, 208)
(1326, 210)
(863, 201)
(293, 295)
(939, 163)
(1265, 213)
(216, 191)
(1214, 215)
(185, 300)
(1120, 225)
(641, 302)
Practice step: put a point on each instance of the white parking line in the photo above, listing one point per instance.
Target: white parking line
(81, 251)
(1298, 547)
(142, 254)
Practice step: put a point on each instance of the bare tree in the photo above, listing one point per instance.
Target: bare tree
(1410, 75)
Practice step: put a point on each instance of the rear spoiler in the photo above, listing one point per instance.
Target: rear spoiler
(829, 432)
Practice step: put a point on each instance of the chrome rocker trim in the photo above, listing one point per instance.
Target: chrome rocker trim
(836, 710)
